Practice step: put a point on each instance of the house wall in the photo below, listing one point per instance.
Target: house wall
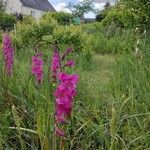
(13, 6)
(31, 11)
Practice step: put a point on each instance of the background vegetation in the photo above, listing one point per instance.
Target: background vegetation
(112, 109)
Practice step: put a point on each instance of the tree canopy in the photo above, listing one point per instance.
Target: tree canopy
(82, 7)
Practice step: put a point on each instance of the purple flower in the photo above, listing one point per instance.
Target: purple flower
(60, 132)
(37, 67)
(55, 65)
(8, 53)
(66, 89)
(64, 94)
(69, 63)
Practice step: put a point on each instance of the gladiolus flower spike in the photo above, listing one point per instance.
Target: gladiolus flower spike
(55, 67)
(65, 91)
(37, 67)
(8, 53)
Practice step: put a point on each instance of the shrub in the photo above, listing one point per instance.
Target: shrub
(26, 31)
(71, 35)
(28, 20)
(6, 21)
(47, 25)
(61, 17)
(122, 16)
(30, 32)
(99, 17)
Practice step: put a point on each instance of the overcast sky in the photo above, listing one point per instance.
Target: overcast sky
(60, 5)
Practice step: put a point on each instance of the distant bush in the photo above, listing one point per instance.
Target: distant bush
(47, 30)
(6, 21)
(26, 32)
(28, 20)
(122, 16)
(30, 32)
(71, 35)
(61, 17)
(47, 25)
(99, 17)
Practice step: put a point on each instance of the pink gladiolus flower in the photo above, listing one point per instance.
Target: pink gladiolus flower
(8, 53)
(37, 67)
(60, 132)
(55, 64)
(70, 81)
(64, 96)
(60, 119)
(65, 91)
(69, 63)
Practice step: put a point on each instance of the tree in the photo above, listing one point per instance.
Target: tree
(102, 14)
(141, 8)
(62, 18)
(107, 5)
(7, 21)
(81, 8)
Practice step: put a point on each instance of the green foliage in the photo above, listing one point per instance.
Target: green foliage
(121, 15)
(26, 32)
(30, 32)
(1, 6)
(130, 89)
(99, 17)
(28, 20)
(47, 25)
(128, 14)
(102, 14)
(81, 7)
(61, 17)
(6, 21)
(141, 8)
(112, 108)
(109, 40)
(70, 36)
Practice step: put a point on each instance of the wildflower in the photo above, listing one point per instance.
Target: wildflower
(64, 94)
(66, 89)
(8, 53)
(37, 67)
(60, 132)
(69, 63)
(55, 64)
(69, 79)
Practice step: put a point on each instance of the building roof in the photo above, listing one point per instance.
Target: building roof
(43, 5)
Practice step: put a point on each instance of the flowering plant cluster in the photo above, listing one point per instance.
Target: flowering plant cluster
(66, 83)
(66, 89)
(8, 54)
(37, 67)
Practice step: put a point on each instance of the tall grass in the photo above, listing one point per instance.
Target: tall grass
(111, 111)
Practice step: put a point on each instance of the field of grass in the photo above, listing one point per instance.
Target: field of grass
(30, 100)
(111, 110)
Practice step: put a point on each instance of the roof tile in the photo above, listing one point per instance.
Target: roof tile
(43, 5)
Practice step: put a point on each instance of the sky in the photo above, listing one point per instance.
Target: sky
(60, 5)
